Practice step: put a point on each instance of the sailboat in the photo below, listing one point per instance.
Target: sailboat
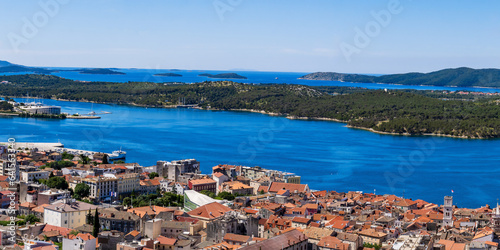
(92, 113)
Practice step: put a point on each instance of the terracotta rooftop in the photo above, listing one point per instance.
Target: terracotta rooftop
(276, 186)
(210, 211)
(81, 236)
(372, 233)
(166, 241)
(202, 181)
(236, 238)
(278, 242)
(405, 203)
(150, 210)
(333, 243)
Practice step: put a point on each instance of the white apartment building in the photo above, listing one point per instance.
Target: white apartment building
(101, 187)
(126, 183)
(31, 176)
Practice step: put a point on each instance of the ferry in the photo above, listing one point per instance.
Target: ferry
(117, 155)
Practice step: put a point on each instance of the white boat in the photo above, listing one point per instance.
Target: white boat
(117, 155)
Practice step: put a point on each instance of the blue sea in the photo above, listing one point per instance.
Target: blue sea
(327, 155)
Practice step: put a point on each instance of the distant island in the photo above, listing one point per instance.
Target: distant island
(460, 77)
(224, 76)
(168, 74)
(100, 72)
(7, 67)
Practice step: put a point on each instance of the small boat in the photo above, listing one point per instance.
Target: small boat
(276, 78)
(117, 155)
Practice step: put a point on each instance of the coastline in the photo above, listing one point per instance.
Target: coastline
(408, 134)
(9, 114)
(350, 126)
(421, 85)
(288, 117)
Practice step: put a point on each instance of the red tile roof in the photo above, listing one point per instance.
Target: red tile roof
(166, 241)
(277, 186)
(210, 211)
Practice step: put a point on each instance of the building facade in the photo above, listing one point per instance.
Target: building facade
(69, 214)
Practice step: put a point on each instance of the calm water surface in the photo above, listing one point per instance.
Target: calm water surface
(326, 154)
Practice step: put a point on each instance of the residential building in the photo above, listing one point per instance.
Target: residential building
(126, 183)
(220, 178)
(372, 237)
(209, 212)
(112, 219)
(69, 214)
(173, 169)
(149, 186)
(236, 188)
(6, 197)
(203, 184)
(406, 204)
(291, 178)
(332, 243)
(79, 241)
(293, 188)
(101, 187)
(237, 239)
(51, 195)
(35, 175)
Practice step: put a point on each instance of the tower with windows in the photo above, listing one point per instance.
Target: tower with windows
(448, 211)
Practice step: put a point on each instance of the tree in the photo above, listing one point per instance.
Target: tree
(105, 159)
(59, 164)
(32, 218)
(153, 175)
(82, 190)
(85, 159)
(262, 191)
(74, 232)
(89, 219)
(127, 201)
(57, 182)
(226, 196)
(67, 156)
(207, 193)
(95, 229)
(370, 245)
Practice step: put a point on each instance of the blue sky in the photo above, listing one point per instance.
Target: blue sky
(281, 35)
